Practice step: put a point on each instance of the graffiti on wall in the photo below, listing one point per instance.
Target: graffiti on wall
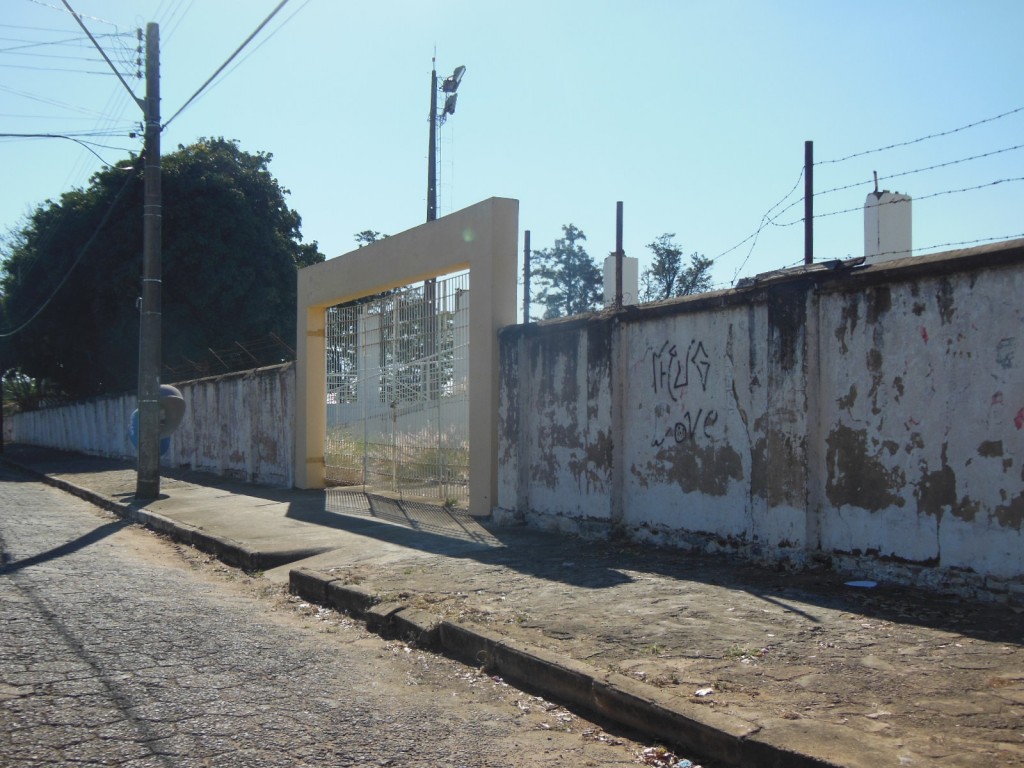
(675, 373)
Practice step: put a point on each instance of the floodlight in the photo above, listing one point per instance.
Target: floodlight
(451, 83)
(449, 104)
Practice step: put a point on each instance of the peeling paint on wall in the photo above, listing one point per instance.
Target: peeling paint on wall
(880, 417)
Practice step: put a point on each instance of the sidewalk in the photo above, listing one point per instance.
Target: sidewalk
(738, 664)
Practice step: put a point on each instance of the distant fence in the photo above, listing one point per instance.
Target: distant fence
(239, 425)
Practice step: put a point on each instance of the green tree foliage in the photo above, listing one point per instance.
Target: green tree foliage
(570, 283)
(368, 236)
(230, 250)
(667, 277)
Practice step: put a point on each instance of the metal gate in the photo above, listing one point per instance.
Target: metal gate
(398, 394)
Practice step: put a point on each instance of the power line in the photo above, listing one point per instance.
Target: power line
(228, 61)
(85, 144)
(263, 42)
(58, 69)
(78, 257)
(61, 11)
(102, 52)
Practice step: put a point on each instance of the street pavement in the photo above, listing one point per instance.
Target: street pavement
(743, 665)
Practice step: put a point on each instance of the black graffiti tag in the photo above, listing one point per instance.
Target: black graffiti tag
(689, 428)
(672, 373)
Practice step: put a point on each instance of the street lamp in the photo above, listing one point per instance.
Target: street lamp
(449, 86)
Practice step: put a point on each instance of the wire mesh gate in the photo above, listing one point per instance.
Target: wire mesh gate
(398, 393)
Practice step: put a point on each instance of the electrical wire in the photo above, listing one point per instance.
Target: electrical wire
(226, 62)
(79, 256)
(263, 42)
(85, 144)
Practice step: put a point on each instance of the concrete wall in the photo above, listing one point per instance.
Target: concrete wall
(870, 417)
(238, 425)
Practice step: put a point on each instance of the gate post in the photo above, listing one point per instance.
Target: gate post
(482, 238)
(310, 397)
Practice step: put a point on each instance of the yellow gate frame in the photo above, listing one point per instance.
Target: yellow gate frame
(482, 238)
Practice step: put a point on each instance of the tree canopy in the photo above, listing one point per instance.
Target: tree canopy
(667, 277)
(570, 282)
(230, 249)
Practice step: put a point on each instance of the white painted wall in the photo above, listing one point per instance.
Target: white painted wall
(874, 418)
(239, 425)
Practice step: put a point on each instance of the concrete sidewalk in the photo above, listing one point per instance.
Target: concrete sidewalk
(742, 665)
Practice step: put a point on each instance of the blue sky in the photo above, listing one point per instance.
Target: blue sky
(694, 114)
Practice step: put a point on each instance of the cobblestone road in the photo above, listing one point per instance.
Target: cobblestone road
(114, 652)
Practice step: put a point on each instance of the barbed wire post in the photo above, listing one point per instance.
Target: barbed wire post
(808, 202)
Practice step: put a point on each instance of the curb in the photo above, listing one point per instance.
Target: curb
(610, 696)
(229, 551)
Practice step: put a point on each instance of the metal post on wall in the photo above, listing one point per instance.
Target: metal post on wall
(526, 277)
(619, 255)
(808, 202)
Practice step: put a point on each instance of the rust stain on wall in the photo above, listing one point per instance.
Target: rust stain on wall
(936, 493)
(879, 302)
(787, 315)
(944, 297)
(700, 469)
(848, 318)
(849, 399)
(1011, 514)
(546, 354)
(777, 471)
(856, 477)
(990, 449)
(591, 467)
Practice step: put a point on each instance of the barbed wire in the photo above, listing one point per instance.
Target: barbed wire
(764, 220)
(922, 138)
(916, 199)
(920, 170)
(769, 219)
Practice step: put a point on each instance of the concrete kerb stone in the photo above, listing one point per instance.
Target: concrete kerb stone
(614, 697)
(659, 714)
(611, 696)
(420, 627)
(350, 598)
(378, 617)
(231, 552)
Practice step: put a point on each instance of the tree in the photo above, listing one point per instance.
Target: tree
(667, 278)
(570, 281)
(368, 236)
(230, 250)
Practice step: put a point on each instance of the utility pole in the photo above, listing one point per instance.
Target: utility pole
(148, 478)
(432, 151)
(449, 86)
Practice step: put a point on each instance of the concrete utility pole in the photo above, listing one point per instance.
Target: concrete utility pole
(148, 480)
